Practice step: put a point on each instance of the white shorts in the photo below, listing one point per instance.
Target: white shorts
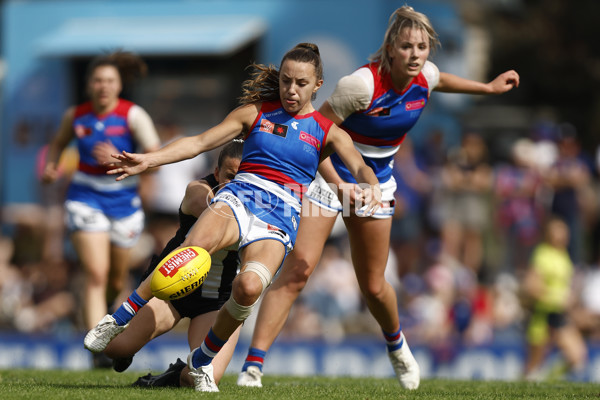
(320, 193)
(124, 232)
(252, 228)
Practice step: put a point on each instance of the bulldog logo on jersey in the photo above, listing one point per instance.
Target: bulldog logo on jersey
(270, 127)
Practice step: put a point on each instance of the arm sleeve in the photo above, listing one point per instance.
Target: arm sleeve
(432, 75)
(142, 127)
(352, 93)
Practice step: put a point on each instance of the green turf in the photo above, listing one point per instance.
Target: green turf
(108, 385)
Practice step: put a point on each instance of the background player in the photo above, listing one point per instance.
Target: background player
(376, 105)
(105, 218)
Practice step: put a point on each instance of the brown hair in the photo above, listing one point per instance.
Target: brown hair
(130, 65)
(263, 84)
(403, 17)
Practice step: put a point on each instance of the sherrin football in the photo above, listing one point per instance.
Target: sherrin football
(180, 273)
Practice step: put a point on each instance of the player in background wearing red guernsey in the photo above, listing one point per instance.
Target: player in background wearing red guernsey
(105, 218)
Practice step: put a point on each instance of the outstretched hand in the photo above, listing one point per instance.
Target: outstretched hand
(128, 164)
(505, 82)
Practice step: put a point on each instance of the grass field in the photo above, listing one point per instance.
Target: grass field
(109, 385)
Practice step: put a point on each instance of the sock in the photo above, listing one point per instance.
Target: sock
(256, 357)
(208, 350)
(393, 340)
(129, 308)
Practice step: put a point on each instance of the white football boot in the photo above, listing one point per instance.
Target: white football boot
(100, 336)
(250, 378)
(405, 366)
(204, 380)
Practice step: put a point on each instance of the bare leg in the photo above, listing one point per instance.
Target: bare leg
(154, 319)
(370, 243)
(119, 270)
(93, 249)
(571, 344)
(247, 287)
(298, 266)
(197, 331)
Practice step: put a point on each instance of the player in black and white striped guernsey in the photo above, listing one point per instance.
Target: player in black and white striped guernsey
(201, 306)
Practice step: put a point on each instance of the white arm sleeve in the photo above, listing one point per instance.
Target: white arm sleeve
(142, 127)
(432, 75)
(352, 93)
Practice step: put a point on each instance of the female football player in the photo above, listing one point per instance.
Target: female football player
(376, 105)
(105, 217)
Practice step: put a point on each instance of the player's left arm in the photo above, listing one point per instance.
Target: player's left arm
(450, 83)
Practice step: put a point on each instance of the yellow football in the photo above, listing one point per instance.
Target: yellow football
(180, 273)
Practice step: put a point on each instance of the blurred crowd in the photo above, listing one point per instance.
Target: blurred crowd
(466, 225)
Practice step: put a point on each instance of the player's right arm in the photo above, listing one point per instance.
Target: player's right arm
(64, 135)
(239, 120)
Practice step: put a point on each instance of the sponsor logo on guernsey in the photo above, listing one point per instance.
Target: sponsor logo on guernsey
(310, 139)
(172, 265)
(81, 131)
(115, 130)
(270, 127)
(379, 112)
(295, 125)
(414, 105)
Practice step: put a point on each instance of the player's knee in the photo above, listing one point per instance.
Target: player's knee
(373, 289)
(251, 283)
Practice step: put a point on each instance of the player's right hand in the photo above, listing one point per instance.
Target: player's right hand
(50, 173)
(128, 164)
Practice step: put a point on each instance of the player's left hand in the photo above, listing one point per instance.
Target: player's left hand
(505, 82)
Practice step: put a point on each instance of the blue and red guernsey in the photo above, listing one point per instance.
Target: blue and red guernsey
(283, 148)
(90, 184)
(385, 123)
(91, 128)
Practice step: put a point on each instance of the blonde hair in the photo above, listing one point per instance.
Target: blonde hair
(403, 17)
(263, 84)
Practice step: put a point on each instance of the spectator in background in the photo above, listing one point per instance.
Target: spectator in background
(547, 287)
(413, 186)
(105, 218)
(466, 182)
(568, 177)
(518, 211)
